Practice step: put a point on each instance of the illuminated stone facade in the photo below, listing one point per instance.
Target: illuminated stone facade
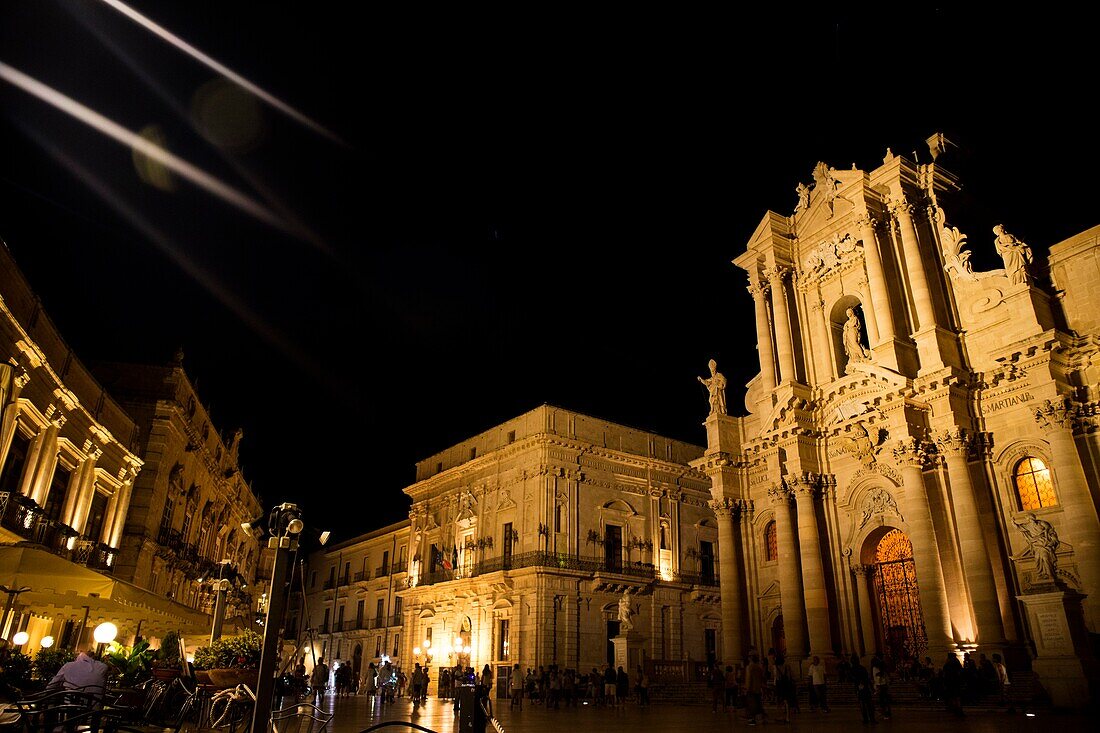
(184, 530)
(525, 538)
(352, 599)
(67, 466)
(917, 464)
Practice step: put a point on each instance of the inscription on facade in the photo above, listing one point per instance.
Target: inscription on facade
(1052, 628)
(1002, 403)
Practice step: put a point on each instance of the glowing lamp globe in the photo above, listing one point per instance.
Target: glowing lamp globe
(47, 642)
(105, 633)
(20, 638)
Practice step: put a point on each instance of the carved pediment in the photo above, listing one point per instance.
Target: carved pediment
(506, 501)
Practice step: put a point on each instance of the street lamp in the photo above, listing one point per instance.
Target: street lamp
(221, 585)
(12, 594)
(104, 634)
(47, 642)
(20, 638)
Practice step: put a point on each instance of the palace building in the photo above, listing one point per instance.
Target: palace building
(916, 468)
(559, 538)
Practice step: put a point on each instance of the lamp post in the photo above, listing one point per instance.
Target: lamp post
(285, 525)
(12, 594)
(221, 585)
(104, 634)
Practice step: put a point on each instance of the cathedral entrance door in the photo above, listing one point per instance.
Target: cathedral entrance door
(901, 622)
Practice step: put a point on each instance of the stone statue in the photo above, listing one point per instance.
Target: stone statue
(716, 385)
(803, 192)
(853, 347)
(1016, 254)
(235, 444)
(1043, 542)
(625, 612)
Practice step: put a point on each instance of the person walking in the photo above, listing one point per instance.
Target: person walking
(880, 680)
(517, 687)
(754, 689)
(485, 685)
(816, 674)
(1002, 682)
(318, 679)
(729, 683)
(716, 685)
(952, 682)
(786, 690)
(643, 687)
(862, 681)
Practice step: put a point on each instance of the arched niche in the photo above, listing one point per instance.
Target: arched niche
(838, 315)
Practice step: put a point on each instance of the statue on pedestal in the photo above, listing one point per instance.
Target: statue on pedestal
(853, 347)
(1043, 543)
(625, 612)
(716, 385)
(1016, 255)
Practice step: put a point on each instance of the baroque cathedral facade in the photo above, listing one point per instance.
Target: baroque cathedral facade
(916, 468)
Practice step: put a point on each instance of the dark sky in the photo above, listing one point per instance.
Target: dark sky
(527, 209)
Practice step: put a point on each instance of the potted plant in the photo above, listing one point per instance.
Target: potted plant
(48, 660)
(231, 660)
(166, 660)
(129, 666)
(15, 674)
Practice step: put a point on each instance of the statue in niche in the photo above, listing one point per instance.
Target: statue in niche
(1016, 255)
(716, 385)
(625, 612)
(1042, 542)
(803, 192)
(853, 346)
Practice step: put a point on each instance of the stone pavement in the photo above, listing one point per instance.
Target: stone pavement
(356, 713)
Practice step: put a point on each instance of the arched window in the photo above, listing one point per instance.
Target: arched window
(771, 542)
(1033, 484)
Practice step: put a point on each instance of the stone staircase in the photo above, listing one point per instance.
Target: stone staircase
(1023, 693)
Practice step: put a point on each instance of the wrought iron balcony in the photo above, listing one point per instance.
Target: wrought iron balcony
(24, 517)
(381, 572)
(362, 575)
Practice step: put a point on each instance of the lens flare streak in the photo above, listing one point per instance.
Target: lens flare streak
(119, 133)
(222, 69)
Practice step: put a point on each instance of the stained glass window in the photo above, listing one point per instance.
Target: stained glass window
(771, 542)
(1033, 484)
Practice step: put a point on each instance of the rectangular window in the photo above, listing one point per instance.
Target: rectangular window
(386, 562)
(340, 618)
(96, 516)
(377, 646)
(331, 576)
(397, 608)
(359, 614)
(396, 643)
(507, 547)
(559, 517)
(380, 612)
(706, 561)
(347, 574)
(473, 453)
(503, 642)
(511, 436)
(12, 475)
(185, 531)
(613, 547)
(324, 626)
(402, 557)
(439, 467)
(56, 498)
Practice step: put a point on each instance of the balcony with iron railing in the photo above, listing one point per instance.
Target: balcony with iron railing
(24, 517)
(343, 580)
(362, 575)
(329, 585)
(382, 571)
(552, 560)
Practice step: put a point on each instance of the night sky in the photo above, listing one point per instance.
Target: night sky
(521, 210)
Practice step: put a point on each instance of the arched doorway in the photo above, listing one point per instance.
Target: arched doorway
(779, 637)
(901, 621)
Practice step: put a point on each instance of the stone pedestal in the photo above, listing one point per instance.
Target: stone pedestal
(628, 651)
(1063, 660)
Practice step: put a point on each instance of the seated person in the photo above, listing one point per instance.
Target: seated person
(85, 672)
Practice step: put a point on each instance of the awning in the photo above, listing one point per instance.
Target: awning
(62, 588)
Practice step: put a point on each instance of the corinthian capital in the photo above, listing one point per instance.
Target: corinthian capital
(954, 442)
(910, 452)
(804, 486)
(758, 288)
(1057, 414)
(725, 508)
(775, 275)
(899, 205)
(779, 494)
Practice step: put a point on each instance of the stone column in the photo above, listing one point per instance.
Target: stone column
(12, 381)
(954, 445)
(910, 455)
(928, 349)
(729, 577)
(783, 342)
(84, 491)
(813, 570)
(763, 335)
(42, 472)
(876, 279)
(790, 577)
(1057, 420)
(864, 576)
(824, 366)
